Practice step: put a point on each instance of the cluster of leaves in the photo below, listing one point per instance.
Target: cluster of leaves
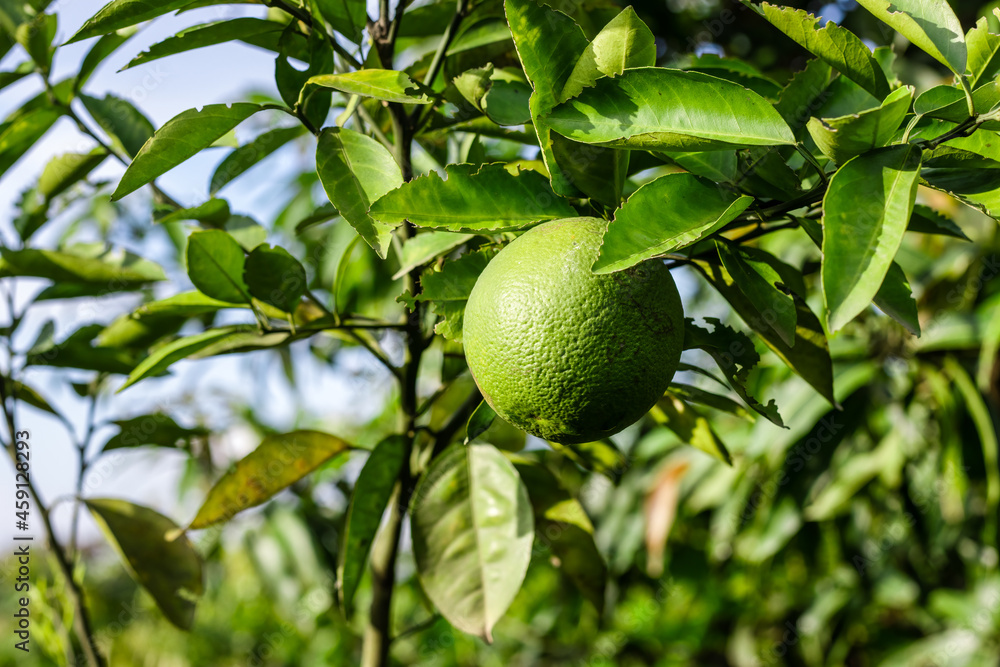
(512, 114)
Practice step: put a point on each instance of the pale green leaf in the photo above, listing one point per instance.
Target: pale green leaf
(208, 34)
(622, 44)
(381, 84)
(930, 24)
(119, 14)
(842, 138)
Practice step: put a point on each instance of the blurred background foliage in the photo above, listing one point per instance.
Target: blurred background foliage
(862, 536)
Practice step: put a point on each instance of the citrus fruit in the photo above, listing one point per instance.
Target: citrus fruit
(562, 353)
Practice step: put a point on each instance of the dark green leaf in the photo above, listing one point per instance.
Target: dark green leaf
(247, 155)
(215, 264)
(275, 277)
(18, 135)
(371, 496)
(479, 422)
(643, 227)
(93, 265)
(602, 457)
(804, 95)
(762, 285)
(422, 248)
(356, 171)
(161, 559)
(348, 17)
(128, 128)
(213, 212)
(472, 532)
(182, 137)
(156, 429)
(207, 34)
(926, 220)
(736, 356)
(101, 49)
(21, 392)
(163, 357)
(690, 426)
(123, 14)
(701, 397)
(866, 211)
(488, 198)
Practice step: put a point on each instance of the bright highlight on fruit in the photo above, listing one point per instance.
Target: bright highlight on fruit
(562, 353)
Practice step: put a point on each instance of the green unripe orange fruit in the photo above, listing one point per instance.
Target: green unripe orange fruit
(562, 353)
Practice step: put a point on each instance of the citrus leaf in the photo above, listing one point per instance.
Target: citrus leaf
(473, 199)
(804, 94)
(348, 17)
(759, 282)
(717, 166)
(128, 128)
(185, 304)
(699, 396)
(926, 220)
(480, 33)
(472, 530)
(275, 277)
(156, 429)
(182, 137)
(624, 43)
(247, 155)
(277, 463)
(164, 562)
(562, 525)
(644, 228)
(690, 426)
(810, 354)
(842, 138)
(22, 392)
(101, 49)
(422, 248)
(381, 84)
(479, 422)
(984, 53)
(736, 356)
(119, 14)
(866, 211)
(549, 44)
(182, 348)
(834, 44)
(215, 264)
(214, 212)
(96, 265)
(930, 24)
(937, 98)
(667, 109)
(371, 496)
(602, 457)
(355, 171)
(455, 279)
(19, 134)
(984, 99)
(207, 34)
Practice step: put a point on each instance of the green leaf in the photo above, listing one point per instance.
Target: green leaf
(381, 84)
(643, 227)
(699, 396)
(159, 557)
(929, 24)
(984, 53)
(455, 279)
(666, 109)
(91, 265)
(473, 199)
(128, 128)
(690, 426)
(18, 135)
(937, 98)
(371, 496)
(247, 155)
(422, 248)
(182, 137)
(128, 331)
(507, 100)
(479, 34)
(842, 138)
(834, 44)
(810, 354)
(277, 463)
(185, 304)
(36, 37)
(736, 356)
(479, 422)
(247, 231)
(213, 212)
(292, 82)
(356, 171)
(472, 530)
(101, 49)
(61, 173)
(182, 348)
(549, 44)
(602, 457)
(207, 34)
(624, 43)
(156, 429)
(22, 70)
(19, 391)
(761, 284)
(215, 264)
(120, 14)
(562, 525)
(926, 220)
(275, 277)
(984, 99)
(804, 94)
(348, 17)
(866, 211)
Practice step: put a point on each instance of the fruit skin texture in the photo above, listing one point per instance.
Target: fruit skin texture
(562, 353)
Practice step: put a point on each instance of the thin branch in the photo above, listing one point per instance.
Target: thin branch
(307, 19)
(461, 8)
